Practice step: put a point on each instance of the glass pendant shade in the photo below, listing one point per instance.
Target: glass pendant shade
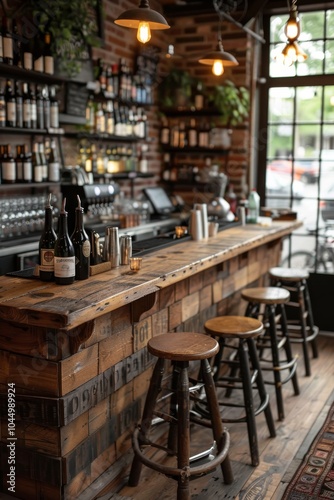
(143, 19)
(292, 27)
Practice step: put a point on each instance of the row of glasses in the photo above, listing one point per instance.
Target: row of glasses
(23, 215)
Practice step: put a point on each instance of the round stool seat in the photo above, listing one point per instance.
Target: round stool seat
(266, 295)
(183, 346)
(288, 273)
(234, 326)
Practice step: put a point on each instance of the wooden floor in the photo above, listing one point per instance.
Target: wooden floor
(280, 456)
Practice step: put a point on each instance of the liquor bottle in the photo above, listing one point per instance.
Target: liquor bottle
(27, 165)
(19, 163)
(17, 50)
(64, 254)
(46, 107)
(253, 207)
(33, 106)
(8, 166)
(10, 105)
(38, 59)
(165, 132)
(28, 54)
(2, 106)
(7, 41)
(53, 163)
(46, 245)
(26, 106)
(199, 97)
(54, 109)
(19, 105)
(40, 108)
(192, 134)
(44, 163)
(81, 245)
(90, 113)
(47, 54)
(36, 164)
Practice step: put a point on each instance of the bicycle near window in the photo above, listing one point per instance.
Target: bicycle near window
(321, 258)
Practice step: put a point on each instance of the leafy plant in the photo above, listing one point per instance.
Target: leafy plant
(176, 81)
(73, 27)
(231, 102)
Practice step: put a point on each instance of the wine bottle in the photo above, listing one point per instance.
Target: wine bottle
(39, 107)
(33, 107)
(48, 57)
(44, 163)
(38, 58)
(36, 164)
(28, 51)
(19, 105)
(81, 245)
(10, 105)
(54, 109)
(64, 254)
(27, 165)
(19, 163)
(7, 41)
(46, 107)
(46, 246)
(8, 166)
(17, 49)
(53, 163)
(2, 107)
(26, 107)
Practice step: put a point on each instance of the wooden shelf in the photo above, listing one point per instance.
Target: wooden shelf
(196, 150)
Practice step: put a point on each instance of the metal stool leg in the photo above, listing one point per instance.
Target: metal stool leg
(288, 350)
(311, 320)
(183, 454)
(276, 362)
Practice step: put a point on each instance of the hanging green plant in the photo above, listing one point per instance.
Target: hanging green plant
(231, 102)
(175, 89)
(73, 25)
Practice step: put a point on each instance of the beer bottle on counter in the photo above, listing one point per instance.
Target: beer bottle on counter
(46, 246)
(64, 254)
(81, 245)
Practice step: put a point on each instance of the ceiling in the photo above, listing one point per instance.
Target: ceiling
(242, 10)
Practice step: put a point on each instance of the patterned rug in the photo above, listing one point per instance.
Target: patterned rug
(315, 475)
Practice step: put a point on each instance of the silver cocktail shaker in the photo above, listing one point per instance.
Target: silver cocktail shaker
(111, 251)
(125, 249)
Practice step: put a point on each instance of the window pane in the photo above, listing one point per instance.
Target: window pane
(312, 25)
(329, 57)
(308, 104)
(330, 24)
(281, 104)
(315, 58)
(279, 141)
(329, 104)
(277, 24)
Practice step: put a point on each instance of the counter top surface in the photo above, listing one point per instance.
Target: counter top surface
(33, 302)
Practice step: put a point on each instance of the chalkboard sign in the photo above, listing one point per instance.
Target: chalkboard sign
(76, 99)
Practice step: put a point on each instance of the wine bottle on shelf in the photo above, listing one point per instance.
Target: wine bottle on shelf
(27, 165)
(53, 163)
(43, 162)
(19, 163)
(192, 134)
(64, 253)
(47, 54)
(165, 132)
(54, 108)
(46, 107)
(26, 107)
(17, 50)
(19, 105)
(46, 245)
(8, 166)
(7, 41)
(33, 106)
(2, 106)
(40, 107)
(36, 164)
(10, 105)
(28, 54)
(81, 245)
(38, 59)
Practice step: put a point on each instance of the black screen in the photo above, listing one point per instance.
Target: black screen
(159, 200)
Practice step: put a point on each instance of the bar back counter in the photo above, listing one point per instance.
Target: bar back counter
(74, 369)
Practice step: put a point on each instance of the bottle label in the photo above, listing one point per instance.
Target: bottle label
(8, 171)
(7, 47)
(53, 172)
(64, 267)
(11, 112)
(38, 173)
(48, 65)
(2, 111)
(33, 112)
(54, 117)
(47, 259)
(86, 248)
(27, 60)
(26, 113)
(27, 171)
(39, 64)
(19, 170)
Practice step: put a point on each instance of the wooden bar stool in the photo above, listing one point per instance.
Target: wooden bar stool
(181, 348)
(267, 303)
(244, 331)
(301, 328)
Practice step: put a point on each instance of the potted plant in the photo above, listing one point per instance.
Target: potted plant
(73, 25)
(175, 89)
(231, 102)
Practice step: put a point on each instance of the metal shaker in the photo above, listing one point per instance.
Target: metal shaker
(111, 250)
(125, 249)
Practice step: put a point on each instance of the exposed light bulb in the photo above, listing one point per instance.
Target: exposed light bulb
(217, 67)
(144, 32)
(292, 27)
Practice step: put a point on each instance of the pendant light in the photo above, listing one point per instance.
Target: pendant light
(292, 52)
(143, 19)
(218, 59)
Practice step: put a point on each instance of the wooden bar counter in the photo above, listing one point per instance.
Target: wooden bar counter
(76, 355)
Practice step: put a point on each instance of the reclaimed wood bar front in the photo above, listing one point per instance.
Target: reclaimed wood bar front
(73, 358)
